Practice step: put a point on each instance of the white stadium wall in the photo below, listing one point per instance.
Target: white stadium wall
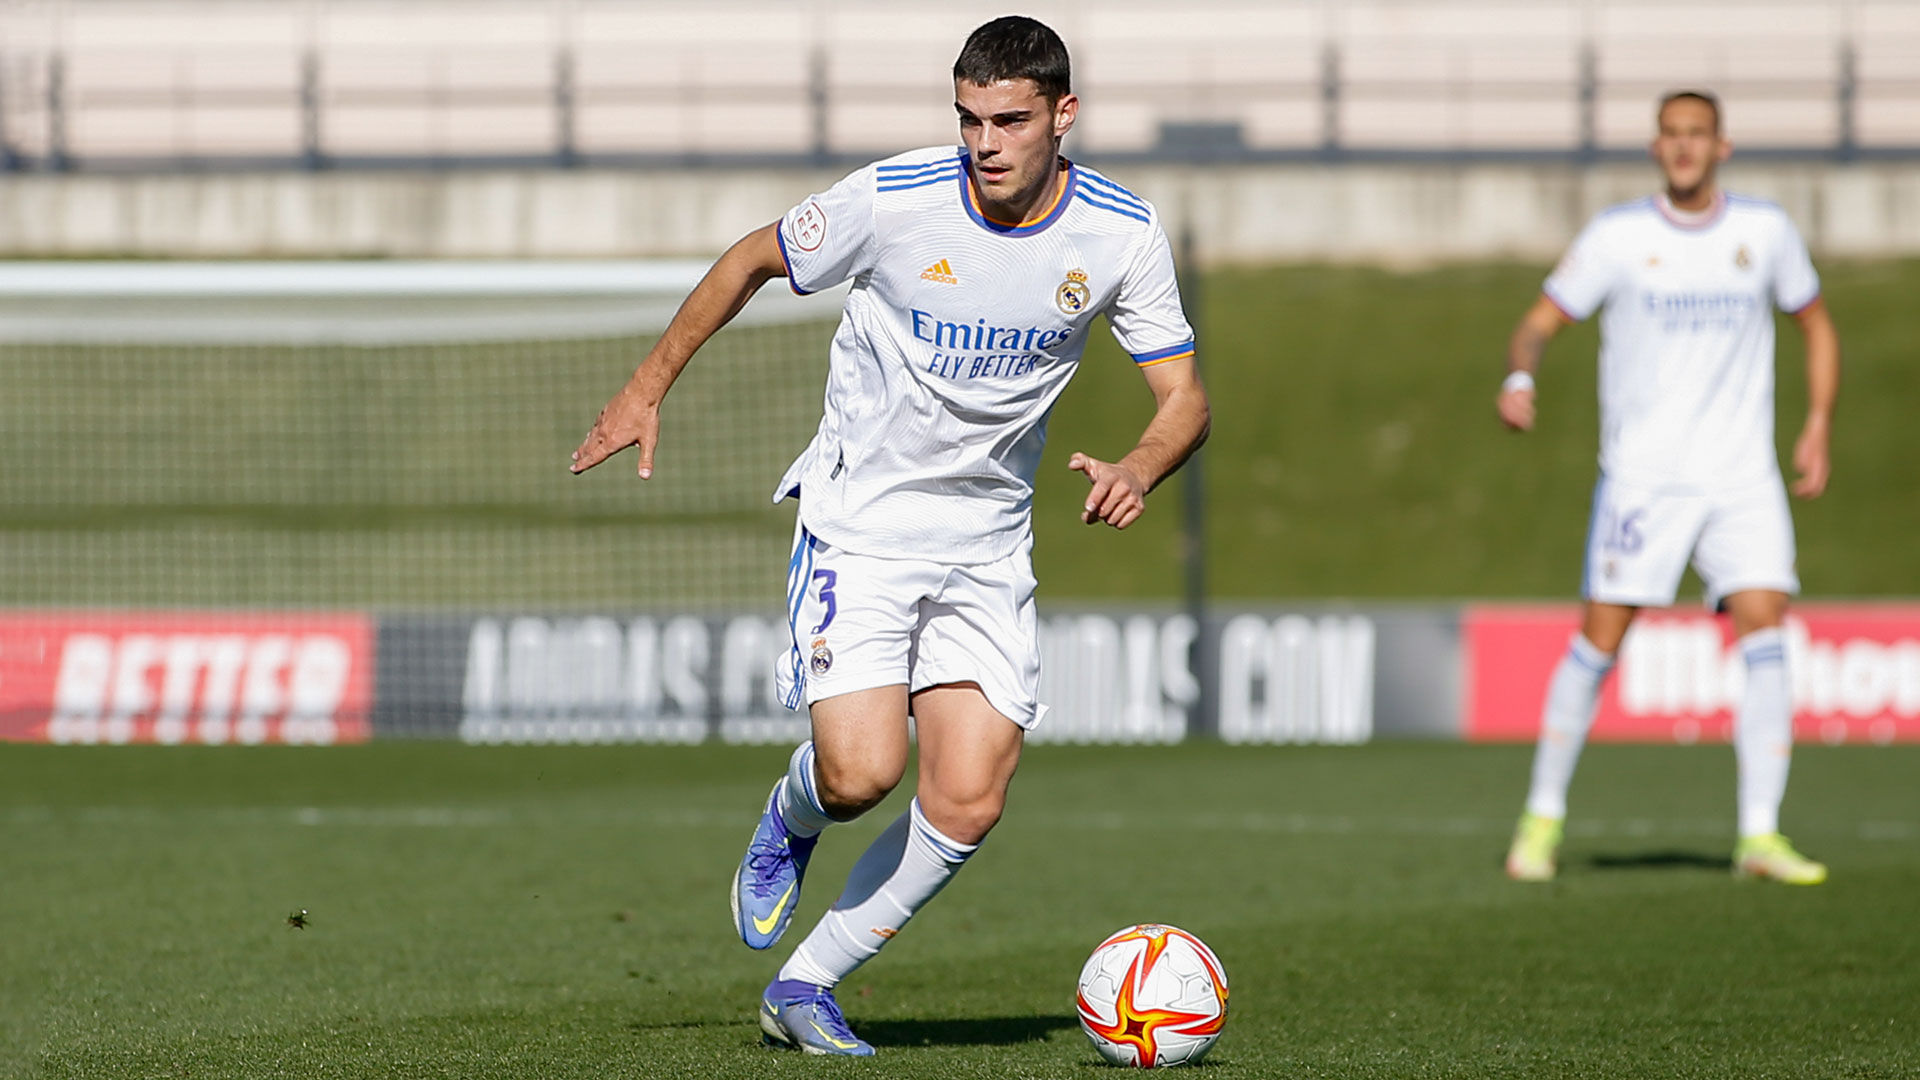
(332, 81)
(1242, 213)
(559, 128)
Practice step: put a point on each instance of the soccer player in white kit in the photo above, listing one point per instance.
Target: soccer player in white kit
(1688, 280)
(978, 271)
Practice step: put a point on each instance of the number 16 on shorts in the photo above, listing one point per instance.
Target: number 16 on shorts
(1623, 563)
(1620, 530)
(1641, 540)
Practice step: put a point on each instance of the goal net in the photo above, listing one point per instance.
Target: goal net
(386, 436)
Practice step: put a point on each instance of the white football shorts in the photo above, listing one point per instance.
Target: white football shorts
(860, 622)
(1639, 540)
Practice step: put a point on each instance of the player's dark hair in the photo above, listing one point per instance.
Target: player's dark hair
(1704, 97)
(1016, 47)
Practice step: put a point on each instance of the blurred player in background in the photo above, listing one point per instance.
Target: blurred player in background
(1689, 279)
(977, 274)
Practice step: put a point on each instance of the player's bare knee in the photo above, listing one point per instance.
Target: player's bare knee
(1605, 625)
(967, 820)
(1756, 609)
(976, 821)
(849, 789)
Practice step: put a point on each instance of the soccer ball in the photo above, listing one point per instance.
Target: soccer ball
(1152, 995)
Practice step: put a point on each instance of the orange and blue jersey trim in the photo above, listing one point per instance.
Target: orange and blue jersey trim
(1062, 198)
(1803, 307)
(780, 237)
(1565, 308)
(1183, 351)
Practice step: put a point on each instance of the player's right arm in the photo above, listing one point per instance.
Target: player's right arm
(1529, 340)
(1582, 281)
(632, 417)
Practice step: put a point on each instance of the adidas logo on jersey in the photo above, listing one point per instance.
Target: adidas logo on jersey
(940, 272)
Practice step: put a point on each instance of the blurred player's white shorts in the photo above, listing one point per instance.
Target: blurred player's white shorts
(1639, 539)
(860, 621)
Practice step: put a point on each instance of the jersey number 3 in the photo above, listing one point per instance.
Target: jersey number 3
(826, 578)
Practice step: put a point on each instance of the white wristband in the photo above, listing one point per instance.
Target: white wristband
(1517, 380)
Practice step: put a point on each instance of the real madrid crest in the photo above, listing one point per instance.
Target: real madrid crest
(822, 656)
(1073, 296)
(1742, 258)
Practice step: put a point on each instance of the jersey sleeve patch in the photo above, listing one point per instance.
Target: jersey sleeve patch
(810, 226)
(827, 237)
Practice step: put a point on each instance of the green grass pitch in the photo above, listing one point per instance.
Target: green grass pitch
(560, 913)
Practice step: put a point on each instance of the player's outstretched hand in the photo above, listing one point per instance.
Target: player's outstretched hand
(1118, 497)
(1811, 460)
(1516, 409)
(626, 421)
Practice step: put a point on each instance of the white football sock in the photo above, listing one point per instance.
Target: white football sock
(800, 795)
(1572, 697)
(903, 869)
(1763, 732)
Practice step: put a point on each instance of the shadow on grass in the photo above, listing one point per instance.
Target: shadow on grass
(974, 1031)
(677, 1025)
(1188, 1068)
(1662, 860)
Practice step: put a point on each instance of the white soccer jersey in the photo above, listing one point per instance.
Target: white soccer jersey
(1686, 338)
(959, 334)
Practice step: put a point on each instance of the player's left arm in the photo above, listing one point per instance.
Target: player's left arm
(1181, 420)
(632, 416)
(1810, 451)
